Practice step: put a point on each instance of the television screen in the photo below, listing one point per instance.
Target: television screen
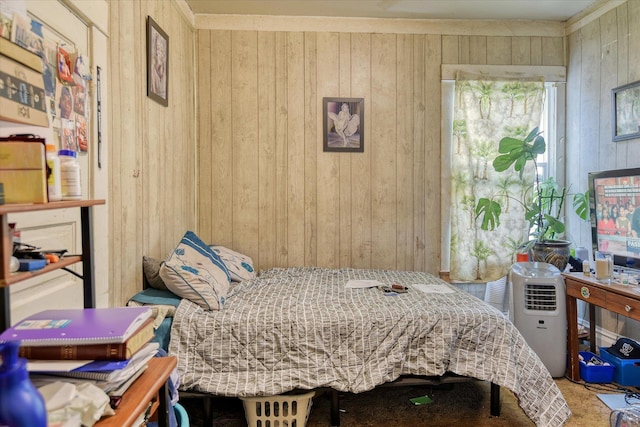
(615, 214)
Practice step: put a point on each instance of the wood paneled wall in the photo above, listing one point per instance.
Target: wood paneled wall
(265, 186)
(152, 147)
(603, 54)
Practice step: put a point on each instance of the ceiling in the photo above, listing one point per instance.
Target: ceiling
(553, 10)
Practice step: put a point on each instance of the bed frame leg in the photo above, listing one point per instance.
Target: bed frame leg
(207, 409)
(335, 408)
(495, 400)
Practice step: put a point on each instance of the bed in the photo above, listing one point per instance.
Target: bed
(303, 328)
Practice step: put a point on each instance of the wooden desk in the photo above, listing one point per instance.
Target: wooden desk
(620, 299)
(150, 389)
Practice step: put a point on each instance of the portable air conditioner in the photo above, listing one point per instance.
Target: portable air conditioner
(537, 294)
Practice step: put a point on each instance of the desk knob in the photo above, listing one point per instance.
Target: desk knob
(627, 308)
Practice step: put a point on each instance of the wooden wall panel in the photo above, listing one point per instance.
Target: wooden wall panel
(602, 54)
(499, 50)
(450, 52)
(281, 165)
(266, 138)
(245, 140)
(328, 170)
(344, 185)
(404, 151)
(293, 251)
(152, 154)
(553, 51)
(421, 53)
(536, 50)
(361, 232)
(383, 143)
(310, 117)
(217, 180)
(273, 192)
(432, 166)
(206, 129)
(521, 50)
(127, 230)
(633, 18)
(478, 51)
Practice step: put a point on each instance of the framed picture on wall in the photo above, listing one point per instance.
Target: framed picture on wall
(157, 63)
(626, 111)
(343, 124)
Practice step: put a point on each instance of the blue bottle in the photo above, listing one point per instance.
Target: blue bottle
(21, 404)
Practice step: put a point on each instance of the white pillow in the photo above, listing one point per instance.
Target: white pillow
(195, 272)
(240, 266)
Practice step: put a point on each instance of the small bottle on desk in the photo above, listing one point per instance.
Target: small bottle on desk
(586, 268)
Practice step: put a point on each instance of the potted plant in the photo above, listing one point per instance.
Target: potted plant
(543, 205)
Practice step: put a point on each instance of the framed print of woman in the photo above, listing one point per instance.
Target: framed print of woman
(343, 124)
(157, 63)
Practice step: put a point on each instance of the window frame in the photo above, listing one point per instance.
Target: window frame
(553, 126)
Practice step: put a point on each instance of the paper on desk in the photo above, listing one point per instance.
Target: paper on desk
(362, 284)
(433, 289)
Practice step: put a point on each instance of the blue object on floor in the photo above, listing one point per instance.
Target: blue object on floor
(181, 415)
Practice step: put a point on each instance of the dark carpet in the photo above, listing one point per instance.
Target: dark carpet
(451, 405)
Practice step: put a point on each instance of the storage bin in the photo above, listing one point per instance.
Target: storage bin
(595, 373)
(626, 371)
(291, 410)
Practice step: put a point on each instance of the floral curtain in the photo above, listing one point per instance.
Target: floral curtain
(486, 110)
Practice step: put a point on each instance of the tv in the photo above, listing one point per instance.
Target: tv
(614, 201)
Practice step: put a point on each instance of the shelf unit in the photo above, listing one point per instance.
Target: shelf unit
(6, 249)
(148, 394)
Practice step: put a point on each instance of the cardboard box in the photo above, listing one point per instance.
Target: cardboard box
(23, 171)
(22, 96)
(625, 371)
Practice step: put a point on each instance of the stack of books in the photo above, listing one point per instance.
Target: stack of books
(109, 347)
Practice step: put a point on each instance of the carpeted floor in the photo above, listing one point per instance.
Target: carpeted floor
(452, 405)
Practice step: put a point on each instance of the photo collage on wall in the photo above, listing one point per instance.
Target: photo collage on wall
(66, 75)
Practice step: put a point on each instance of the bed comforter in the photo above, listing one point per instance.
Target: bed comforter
(302, 328)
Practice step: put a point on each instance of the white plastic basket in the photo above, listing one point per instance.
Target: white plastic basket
(285, 410)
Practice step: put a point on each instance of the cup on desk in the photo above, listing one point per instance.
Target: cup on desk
(604, 267)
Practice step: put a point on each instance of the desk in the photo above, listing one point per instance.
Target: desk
(624, 300)
(150, 389)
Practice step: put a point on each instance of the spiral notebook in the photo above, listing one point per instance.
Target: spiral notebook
(78, 326)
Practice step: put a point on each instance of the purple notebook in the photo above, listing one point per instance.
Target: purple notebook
(78, 326)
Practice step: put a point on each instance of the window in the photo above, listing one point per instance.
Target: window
(550, 164)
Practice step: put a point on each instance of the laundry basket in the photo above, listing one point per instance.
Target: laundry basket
(285, 410)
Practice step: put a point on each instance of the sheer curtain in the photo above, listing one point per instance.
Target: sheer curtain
(486, 110)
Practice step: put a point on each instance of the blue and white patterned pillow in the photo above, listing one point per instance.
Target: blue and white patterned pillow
(240, 266)
(196, 272)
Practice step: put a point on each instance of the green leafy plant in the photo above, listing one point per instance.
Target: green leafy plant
(543, 204)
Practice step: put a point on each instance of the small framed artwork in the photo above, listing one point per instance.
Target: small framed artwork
(157, 63)
(343, 124)
(626, 111)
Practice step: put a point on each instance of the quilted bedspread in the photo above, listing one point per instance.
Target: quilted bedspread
(303, 328)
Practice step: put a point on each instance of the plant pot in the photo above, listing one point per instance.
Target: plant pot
(554, 252)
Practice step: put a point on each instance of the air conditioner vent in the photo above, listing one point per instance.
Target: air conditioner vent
(540, 297)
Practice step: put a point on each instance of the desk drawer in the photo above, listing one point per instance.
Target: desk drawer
(588, 293)
(623, 305)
